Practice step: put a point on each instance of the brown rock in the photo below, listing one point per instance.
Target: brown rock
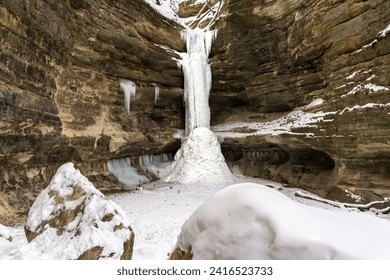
(290, 53)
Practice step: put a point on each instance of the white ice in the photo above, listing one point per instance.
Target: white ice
(129, 89)
(125, 173)
(199, 160)
(156, 164)
(197, 77)
(156, 93)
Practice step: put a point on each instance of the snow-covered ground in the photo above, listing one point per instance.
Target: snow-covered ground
(251, 221)
(157, 213)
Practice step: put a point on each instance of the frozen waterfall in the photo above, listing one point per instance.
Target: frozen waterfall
(200, 159)
(197, 77)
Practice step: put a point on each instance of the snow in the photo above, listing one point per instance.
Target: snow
(372, 88)
(283, 125)
(157, 214)
(375, 88)
(365, 106)
(87, 230)
(382, 34)
(167, 8)
(251, 221)
(315, 103)
(129, 88)
(199, 160)
(4, 232)
(357, 198)
(125, 173)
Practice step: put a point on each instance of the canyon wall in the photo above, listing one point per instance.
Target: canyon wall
(271, 57)
(60, 98)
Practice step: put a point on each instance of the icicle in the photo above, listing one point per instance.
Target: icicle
(156, 93)
(125, 173)
(129, 88)
(156, 164)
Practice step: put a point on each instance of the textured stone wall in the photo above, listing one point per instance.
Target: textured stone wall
(60, 98)
(275, 56)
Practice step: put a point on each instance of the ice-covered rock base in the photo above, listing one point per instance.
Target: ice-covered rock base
(199, 160)
(252, 221)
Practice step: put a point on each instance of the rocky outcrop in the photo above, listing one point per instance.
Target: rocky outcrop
(274, 57)
(60, 98)
(71, 219)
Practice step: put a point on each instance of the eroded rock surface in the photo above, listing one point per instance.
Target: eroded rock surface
(60, 98)
(272, 57)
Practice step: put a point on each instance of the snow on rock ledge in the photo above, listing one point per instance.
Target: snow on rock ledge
(251, 221)
(199, 160)
(71, 219)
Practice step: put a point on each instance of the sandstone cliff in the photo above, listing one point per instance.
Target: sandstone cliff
(60, 98)
(271, 57)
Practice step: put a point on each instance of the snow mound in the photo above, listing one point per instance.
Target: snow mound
(251, 221)
(5, 233)
(71, 219)
(199, 160)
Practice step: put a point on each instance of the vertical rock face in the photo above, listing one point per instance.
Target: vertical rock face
(60, 98)
(276, 56)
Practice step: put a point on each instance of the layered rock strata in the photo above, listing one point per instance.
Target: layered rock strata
(60, 98)
(275, 57)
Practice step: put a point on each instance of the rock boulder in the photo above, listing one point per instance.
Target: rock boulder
(71, 219)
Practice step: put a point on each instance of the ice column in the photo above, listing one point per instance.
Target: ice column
(197, 78)
(128, 87)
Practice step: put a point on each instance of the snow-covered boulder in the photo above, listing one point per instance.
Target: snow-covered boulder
(5, 234)
(71, 219)
(252, 221)
(199, 160)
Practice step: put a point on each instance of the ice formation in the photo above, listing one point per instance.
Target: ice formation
(200, 158)
(197, 77)
(129, 88)
(156, 164)
(156, 93)
(125, 173)
(252, 221)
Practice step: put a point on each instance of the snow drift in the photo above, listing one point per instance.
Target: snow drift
(251, 221)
